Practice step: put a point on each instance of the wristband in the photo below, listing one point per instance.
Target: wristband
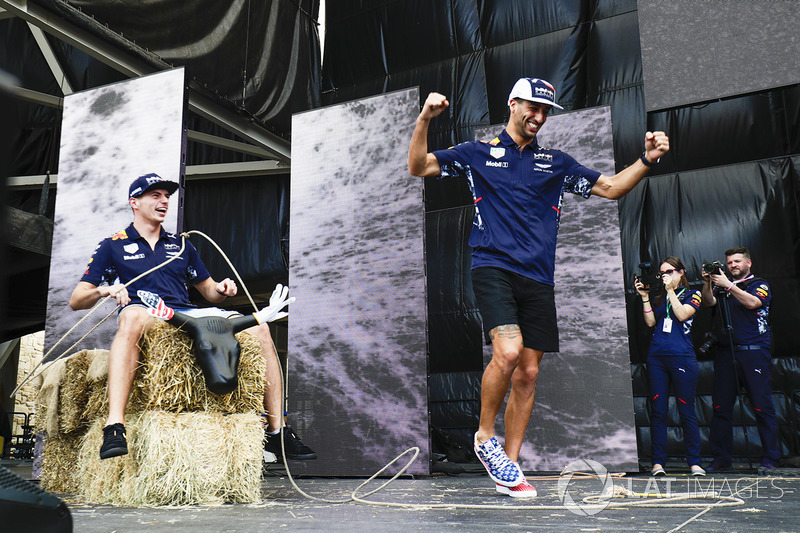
(645, 301)
(646, 311)
(647, 163)
(221, 293)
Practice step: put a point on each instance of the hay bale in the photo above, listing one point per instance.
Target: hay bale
(169, 378)
(74, 392)
(97, 384)
(39, 405)
(46, 405)
(176, 459)
(59, 460)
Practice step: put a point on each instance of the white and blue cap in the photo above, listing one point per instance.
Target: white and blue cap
(534, 90)
(142, 184)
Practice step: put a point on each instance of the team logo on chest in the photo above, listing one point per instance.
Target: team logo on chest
(131, 248)
(497, 152)
(543, 162)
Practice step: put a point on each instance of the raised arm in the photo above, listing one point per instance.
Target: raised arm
(420, 162)
(707, 292)
(682, 312)
(745, 298)
(647, 309)
(656, 144)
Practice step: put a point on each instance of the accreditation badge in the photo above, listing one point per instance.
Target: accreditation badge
(667, 325)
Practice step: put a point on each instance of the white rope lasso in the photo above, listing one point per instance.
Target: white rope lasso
(727, 501)
(354, 497)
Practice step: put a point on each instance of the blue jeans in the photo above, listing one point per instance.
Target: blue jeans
(681, 371)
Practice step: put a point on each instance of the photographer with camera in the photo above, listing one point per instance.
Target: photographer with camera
(671, 359)
(745, 341)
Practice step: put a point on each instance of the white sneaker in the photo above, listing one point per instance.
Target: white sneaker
(697, 470)
(657, 470)
(523, 490)
(501, 469)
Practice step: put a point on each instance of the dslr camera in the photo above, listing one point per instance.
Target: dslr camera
(709, 341)
(713, 267)
(648, 276)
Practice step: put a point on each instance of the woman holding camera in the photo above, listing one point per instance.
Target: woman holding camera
(671, 359)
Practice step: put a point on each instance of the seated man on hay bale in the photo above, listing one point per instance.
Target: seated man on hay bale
(126, 254)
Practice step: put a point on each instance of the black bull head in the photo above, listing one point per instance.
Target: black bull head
(216, 349)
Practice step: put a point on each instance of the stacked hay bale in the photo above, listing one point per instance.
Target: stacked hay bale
(60, 451)
(187, 446)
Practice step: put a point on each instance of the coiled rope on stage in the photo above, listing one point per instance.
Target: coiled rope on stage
(598, 502)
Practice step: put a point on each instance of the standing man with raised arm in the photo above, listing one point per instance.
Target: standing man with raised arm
(517, 187)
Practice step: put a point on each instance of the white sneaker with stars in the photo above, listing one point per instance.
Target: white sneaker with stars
(501, 469)
(523, 490)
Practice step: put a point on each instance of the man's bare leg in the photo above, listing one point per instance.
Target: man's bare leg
(506, 352)
(273, 386)
(520, 401)
(123, 359)
(273, 403)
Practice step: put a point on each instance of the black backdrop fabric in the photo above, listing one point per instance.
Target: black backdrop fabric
(258, 58)
(248, 219)
(262, 56)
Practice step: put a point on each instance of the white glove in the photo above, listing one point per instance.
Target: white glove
(155, 305)
(277, 302)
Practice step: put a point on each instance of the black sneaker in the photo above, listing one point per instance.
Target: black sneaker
(766, 468)
(718, 466)
(114, 443)
(294, 448)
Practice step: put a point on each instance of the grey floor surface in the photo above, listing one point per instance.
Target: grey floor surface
(469, 502)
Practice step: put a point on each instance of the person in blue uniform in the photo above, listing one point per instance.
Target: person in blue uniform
(128, 253)
(517, 188)
(748, 300)
(671, 360)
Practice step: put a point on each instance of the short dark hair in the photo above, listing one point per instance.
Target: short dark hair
(738, 250)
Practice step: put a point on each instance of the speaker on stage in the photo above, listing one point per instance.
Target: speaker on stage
(26, 507)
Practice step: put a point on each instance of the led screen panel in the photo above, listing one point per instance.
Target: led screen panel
(109, 137)
(584, 400)
(695, 51)
(357, 333)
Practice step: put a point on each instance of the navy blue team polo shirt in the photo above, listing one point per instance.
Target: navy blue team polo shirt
(679, 340)
(518, 197)
(750, 326)
(126, 254)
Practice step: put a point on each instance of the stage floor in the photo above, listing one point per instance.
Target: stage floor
(765, 503)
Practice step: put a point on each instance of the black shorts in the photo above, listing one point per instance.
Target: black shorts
(505, 297)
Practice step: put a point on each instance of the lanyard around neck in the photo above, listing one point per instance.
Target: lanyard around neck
(677, 296)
